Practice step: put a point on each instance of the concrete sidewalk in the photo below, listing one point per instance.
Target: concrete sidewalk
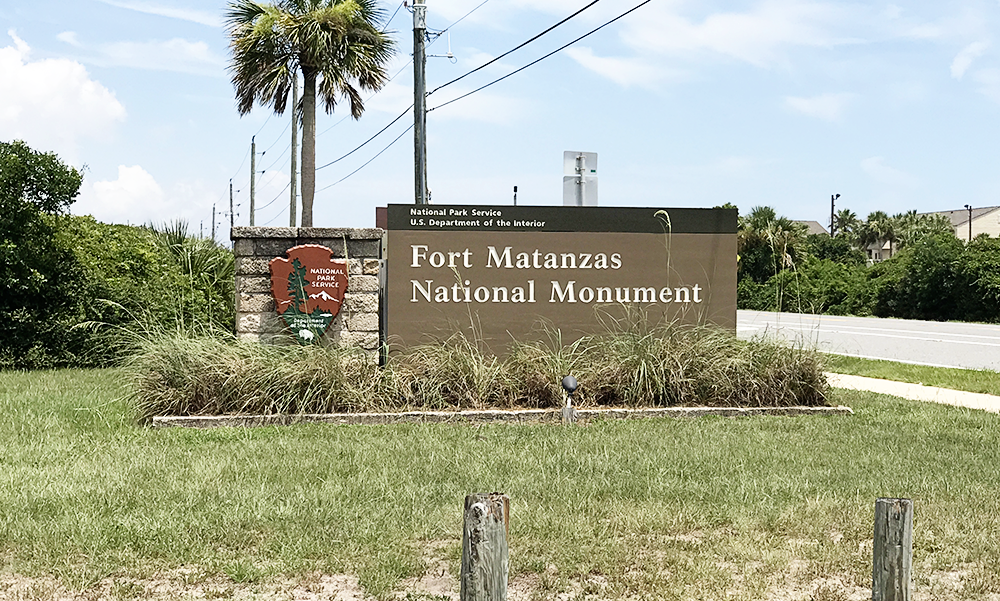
(917, 392)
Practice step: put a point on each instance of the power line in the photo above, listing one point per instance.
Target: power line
(518, 47)
(281, 135)
(393, 16)
(408, 63)
(368, 161)
(244, 162)
(377, 134)
(535, 62)
(462, 19)
(276, 197)
(265, 124)
(281, 156)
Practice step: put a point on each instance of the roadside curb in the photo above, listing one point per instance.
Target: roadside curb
(917, 392)
(484, 416)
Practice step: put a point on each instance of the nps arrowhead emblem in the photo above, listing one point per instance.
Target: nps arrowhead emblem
(308, 289)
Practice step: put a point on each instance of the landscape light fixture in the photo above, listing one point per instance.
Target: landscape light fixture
(570, 385)
(970, 221)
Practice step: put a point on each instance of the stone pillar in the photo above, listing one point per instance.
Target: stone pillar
(357, 324)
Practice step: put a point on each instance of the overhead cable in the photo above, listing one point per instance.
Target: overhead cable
(362, 145)
(535, 62)
(516, 48)
(368, 161)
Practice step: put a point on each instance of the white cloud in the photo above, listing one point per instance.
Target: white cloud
(69, 37)
(173, 55)
(136, 197)
(759, 36)
(623, 71)
(52, 104)
(201, 17)
(876, 168)
(829, 107)
(963, 60)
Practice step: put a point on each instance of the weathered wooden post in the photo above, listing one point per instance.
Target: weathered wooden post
(484, 547)
(892, 550)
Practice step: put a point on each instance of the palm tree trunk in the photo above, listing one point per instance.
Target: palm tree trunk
(308, 145)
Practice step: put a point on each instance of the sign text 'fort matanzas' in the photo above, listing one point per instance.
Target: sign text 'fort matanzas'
(506, 270)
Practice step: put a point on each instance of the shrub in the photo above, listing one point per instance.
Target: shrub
(633, 364)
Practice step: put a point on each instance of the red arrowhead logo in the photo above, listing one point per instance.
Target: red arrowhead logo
(308, 288)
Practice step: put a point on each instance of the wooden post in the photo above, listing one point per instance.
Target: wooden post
(484, 547)
(892, 550)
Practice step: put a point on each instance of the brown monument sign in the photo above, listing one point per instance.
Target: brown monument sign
(308, 289)
(505, 270)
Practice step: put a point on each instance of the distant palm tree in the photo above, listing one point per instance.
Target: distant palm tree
(847, 224)
(337, 46)
(878, 228)
(783, 239)
(910, 228)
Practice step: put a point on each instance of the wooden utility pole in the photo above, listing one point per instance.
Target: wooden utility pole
(892, 550)
(484, 547)
(232, 218)
(213, 222)
(419, 102)
(295, 145)
(253, 173)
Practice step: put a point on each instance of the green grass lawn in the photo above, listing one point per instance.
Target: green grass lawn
(984, 381)
(708, 508)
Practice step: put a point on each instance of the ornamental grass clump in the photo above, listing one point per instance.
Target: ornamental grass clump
(632, 364)
(179, 374)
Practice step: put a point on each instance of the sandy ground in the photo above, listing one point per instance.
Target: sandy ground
(439, 584)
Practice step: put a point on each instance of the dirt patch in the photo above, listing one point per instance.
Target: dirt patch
(440, 583)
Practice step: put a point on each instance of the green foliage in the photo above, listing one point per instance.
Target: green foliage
(821, 286)
(40, 280)
(911, 228)
(838, 249)
(73, 291)
(768, 244)
(979, 274)
(933, 276)
(921, 281)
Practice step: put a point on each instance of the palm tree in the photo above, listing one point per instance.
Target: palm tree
(847, 224)
(769, 243)
(878, 228)
(334, 43)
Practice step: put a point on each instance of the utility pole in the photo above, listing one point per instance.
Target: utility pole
(419, 101)
(253, 173)
(213, 222)
(970, 221)
(295, 145)
(833, 198)
(231, 217)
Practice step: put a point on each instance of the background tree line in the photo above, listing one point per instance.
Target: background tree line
(76, 292)
(930, 274)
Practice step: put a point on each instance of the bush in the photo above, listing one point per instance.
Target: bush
(921, 281)
(978, 271)
(41, 283)
(634, 364)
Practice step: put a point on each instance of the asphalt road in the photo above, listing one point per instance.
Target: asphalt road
(942, 344)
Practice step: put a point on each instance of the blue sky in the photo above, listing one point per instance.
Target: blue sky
(894, 106)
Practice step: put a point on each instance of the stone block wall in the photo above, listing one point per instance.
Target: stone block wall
(357, 323)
